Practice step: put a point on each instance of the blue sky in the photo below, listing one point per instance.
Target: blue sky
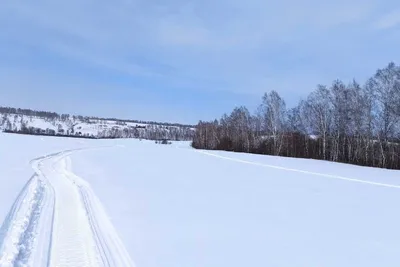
(185, 60)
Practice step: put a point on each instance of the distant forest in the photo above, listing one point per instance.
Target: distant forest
(53, 115)
(16, 120)
(348, 123)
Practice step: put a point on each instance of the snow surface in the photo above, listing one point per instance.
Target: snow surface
(175, 206)
(170, 205)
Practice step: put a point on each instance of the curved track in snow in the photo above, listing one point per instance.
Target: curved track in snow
(57, 220)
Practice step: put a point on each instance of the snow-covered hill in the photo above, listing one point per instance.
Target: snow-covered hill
(46, 123)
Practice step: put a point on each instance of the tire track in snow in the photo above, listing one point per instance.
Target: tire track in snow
(27, 240)
(24, 236)
(7, 223)
(21, 225)
(109, 247)
(34, 233)
(337, 177)
(73, 243)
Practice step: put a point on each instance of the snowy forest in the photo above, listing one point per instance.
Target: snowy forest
(348, 123)
(27, 121)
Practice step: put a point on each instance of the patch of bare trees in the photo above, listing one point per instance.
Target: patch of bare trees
(350, 123)
(150, 132)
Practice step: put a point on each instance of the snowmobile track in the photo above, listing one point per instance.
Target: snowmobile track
(57, 220)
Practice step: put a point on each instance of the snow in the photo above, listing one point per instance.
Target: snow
(42, 124)
(174, 206)
(125, 201)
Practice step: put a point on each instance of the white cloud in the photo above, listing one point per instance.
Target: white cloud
(120, 25)
(224, 44)
(389, 20)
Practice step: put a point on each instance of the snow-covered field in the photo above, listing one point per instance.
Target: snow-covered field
(115, 202)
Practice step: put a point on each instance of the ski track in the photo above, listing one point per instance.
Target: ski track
(324, 175)
(57, 220)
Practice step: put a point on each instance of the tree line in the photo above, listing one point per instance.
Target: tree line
(150, 132)
(349, 123)
(124, 121)
(49, 132)
(30, 112)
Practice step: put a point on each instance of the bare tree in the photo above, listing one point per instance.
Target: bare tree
(318, 113)
(273, 109)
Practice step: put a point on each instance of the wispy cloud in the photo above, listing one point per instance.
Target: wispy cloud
(234, 46)
(389, 20)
